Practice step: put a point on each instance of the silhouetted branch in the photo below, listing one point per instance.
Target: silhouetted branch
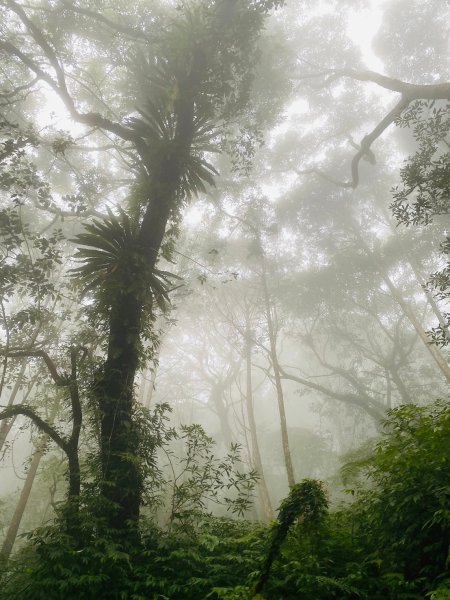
(59, 86)
(57, 378)
(27, 411)
(408, 91)
(15, 91)
(323, 175)
(130, 31)
(369, 405)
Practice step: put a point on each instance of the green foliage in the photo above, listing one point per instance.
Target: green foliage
(306, 501)
(390, 544)
(200, 480)
(113, 258)
(425, 189)
(406, 516)
(219, 553)
(192, 554)
(210, 563)
(28, 259)
(426, 174)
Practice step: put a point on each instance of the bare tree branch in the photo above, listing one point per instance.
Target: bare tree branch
(409, 92)
(57, 378)
(15, 91)
(119, 27)
(369, 405)
(323, 175)
(27, 411)
(91, 119)
(368, 140)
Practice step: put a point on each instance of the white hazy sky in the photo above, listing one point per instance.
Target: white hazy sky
(362, 28)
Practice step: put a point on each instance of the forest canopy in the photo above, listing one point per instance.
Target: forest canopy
(224, 281)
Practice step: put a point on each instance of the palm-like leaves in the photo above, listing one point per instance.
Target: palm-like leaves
(104, 248)
(113, 262)
(158, 127)
(158, 123)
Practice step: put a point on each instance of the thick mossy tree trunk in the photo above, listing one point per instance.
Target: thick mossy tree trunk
(190, 82)
(189, 103)
(121, 485)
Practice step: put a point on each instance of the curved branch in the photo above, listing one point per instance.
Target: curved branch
(365, 403)
(323, 175)
(27, 411)
(411, 91)
(77, 414)
(368, 140)
(92, 119)
(408, 91)
(20, 88)
(42, 42)
(57, 378)
(130, 31)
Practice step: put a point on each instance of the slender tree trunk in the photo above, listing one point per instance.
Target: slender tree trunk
(147, 387)
(216, 399)
(388, 389)
(14, 525)
(256, 455)
(73, 476)
(6, 424)
(414, 263)
(401, 387)
(408, 312)
(277, 376)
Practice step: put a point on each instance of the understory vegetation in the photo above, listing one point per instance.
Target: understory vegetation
(391, 541)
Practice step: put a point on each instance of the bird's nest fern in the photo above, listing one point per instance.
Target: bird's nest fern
(113, 263)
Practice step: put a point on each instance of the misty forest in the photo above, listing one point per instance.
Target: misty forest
(224, 299)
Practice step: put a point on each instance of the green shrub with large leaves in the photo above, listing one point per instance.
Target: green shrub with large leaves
(405, 517)
(390, 543)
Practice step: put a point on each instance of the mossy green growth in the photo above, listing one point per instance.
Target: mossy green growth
(307, 502)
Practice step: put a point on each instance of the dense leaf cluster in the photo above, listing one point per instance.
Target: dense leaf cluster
(391, 543)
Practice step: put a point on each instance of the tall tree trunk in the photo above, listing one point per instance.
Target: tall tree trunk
(412, 317)
(256, 455)
(409, 313)
(277, 376)
(121, 484)
(14, 525)
(216, 400)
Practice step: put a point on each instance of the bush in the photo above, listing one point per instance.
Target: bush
(405, 518)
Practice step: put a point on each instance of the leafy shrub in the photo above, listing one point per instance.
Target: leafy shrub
(406, 516)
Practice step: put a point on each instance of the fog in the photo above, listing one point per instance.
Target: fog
(220, 256)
